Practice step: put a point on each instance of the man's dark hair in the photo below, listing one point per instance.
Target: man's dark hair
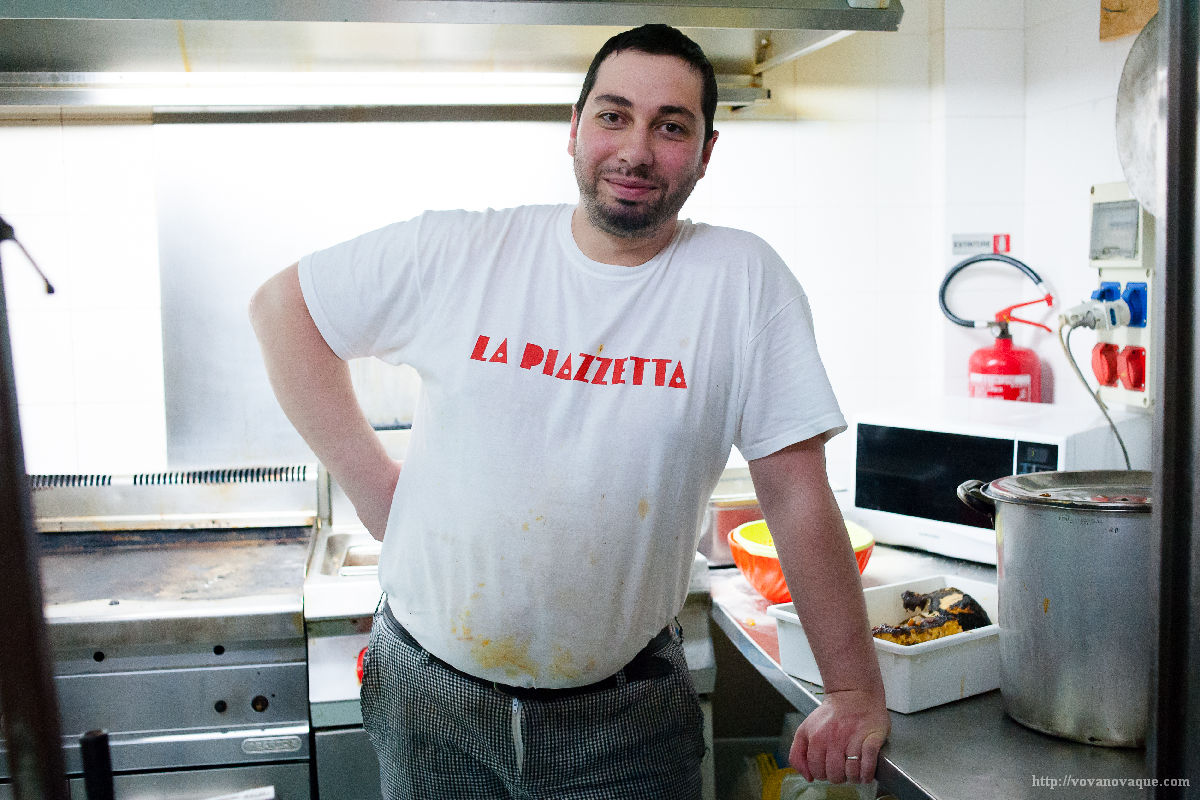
(659, 40)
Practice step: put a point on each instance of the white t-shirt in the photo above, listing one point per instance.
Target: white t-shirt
(573, 421)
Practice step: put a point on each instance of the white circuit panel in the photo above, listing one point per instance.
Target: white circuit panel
(1122, 252)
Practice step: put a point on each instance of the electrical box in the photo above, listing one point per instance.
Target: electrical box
(1122, 253)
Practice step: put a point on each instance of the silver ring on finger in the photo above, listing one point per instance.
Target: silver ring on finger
(852, 758)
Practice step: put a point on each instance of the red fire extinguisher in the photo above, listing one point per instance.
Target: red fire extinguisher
(1002, 370)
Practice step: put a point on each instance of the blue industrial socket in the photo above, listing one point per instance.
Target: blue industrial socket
(1109, 290)
(1137, 297)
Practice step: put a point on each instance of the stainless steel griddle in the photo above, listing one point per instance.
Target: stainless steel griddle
(174, 604)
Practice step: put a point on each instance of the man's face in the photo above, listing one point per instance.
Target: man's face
(638, 143)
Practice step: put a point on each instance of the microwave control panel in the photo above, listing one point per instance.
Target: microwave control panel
(1036, 457)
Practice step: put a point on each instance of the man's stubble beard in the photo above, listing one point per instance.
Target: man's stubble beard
(629, 222)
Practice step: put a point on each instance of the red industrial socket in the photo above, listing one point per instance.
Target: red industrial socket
(1104, 363)
(1131, 368)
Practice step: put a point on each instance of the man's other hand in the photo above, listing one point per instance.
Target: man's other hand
(847, 723)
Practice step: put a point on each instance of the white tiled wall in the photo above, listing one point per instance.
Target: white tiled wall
(1029, 97)
(981, 117)
(1071, 86)
(88, 358)
(863, 202)
(977, 116)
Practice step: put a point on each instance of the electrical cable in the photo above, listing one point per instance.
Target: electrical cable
(1095, 395)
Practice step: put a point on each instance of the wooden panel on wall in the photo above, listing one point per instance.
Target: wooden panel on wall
(1122, 17)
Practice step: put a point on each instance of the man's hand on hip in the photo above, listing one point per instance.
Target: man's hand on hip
(313, 386)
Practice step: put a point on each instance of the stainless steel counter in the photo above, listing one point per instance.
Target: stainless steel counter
(966, 750)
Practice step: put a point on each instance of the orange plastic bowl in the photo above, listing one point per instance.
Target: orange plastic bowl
(754, 553)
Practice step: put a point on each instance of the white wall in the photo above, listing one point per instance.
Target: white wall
(88, 359)
(978, 84)
(977, 116)
(1071, 81)
(237, 203)
(861, 199)
(1029, 94)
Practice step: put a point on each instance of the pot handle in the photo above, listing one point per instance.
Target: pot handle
(970, 492)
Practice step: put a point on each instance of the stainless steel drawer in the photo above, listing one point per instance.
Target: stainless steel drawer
(347, 768)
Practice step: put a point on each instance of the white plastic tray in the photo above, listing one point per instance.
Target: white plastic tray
(915, 676)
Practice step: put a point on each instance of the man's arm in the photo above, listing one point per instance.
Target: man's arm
(818, 562)
(313, 387)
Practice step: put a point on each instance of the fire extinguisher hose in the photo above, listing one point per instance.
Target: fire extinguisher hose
(960, 266)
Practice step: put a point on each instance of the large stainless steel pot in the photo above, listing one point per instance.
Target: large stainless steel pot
(1075, 611)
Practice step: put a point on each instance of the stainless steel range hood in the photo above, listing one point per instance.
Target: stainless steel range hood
(171, 53)
(776, 14)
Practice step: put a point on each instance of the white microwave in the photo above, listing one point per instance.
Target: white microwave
(908, 464)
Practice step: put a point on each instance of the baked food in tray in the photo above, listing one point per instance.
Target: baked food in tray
(939, 613)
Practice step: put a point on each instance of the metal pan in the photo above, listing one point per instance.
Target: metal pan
(1140, 115)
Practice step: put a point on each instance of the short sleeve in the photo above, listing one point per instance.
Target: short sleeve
(365, 295)
(786, 396)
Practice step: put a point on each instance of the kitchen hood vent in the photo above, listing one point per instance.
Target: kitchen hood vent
(878, 15)
(232, 497)
(265, 91)
(319, 53)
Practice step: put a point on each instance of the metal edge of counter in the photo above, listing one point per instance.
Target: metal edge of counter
(889, 775)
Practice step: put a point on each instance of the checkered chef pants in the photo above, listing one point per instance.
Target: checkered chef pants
(443, 735)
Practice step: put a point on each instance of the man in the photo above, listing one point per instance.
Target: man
(585, 372)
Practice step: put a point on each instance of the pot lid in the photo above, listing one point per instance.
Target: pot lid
(1098, 490)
